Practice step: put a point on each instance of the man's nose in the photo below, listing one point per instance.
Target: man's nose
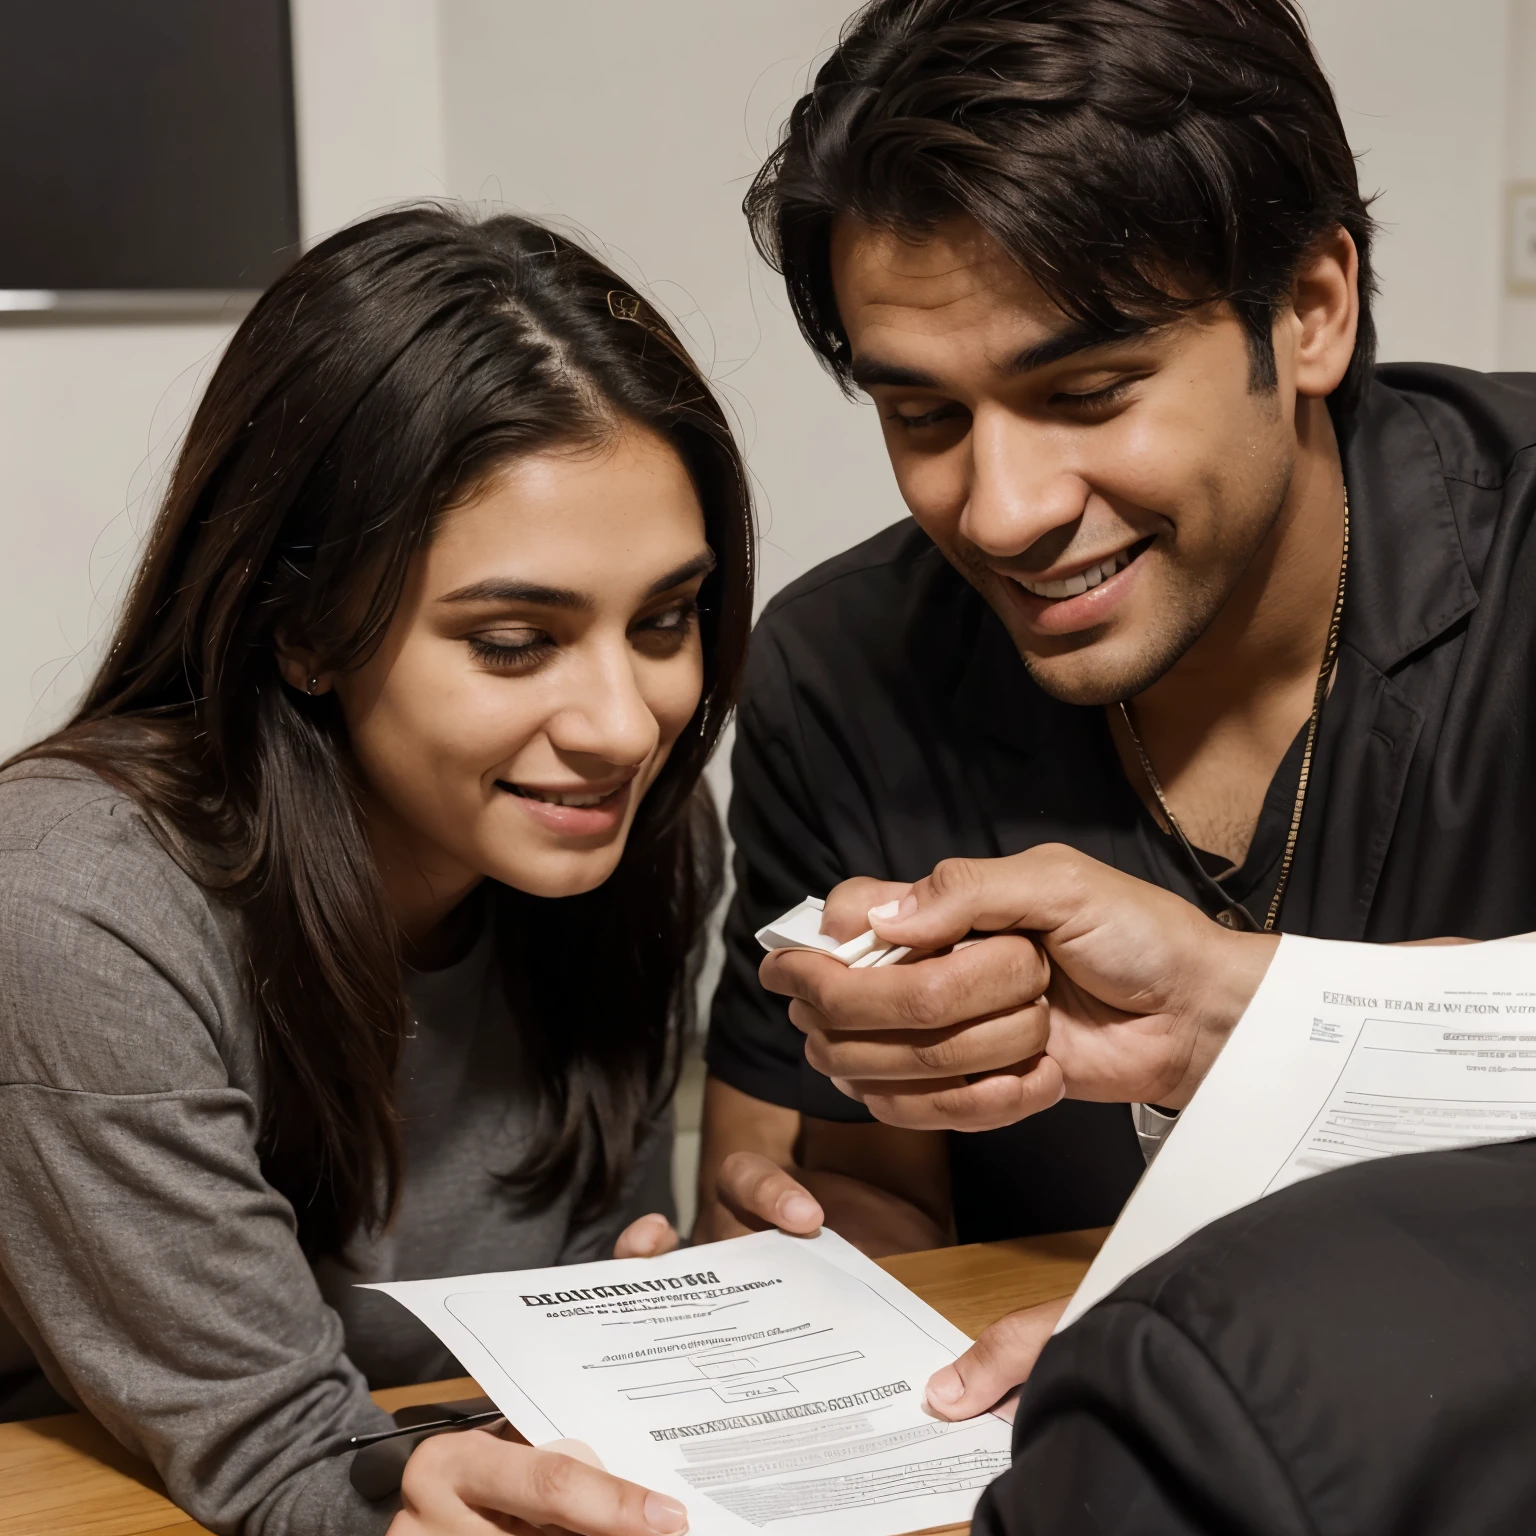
(606, 714)
(1022, 487)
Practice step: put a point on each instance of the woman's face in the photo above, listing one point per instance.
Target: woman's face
(543, 660)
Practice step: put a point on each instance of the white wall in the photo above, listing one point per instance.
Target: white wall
(1421, 89)
(1518, 342)
(368, 96)
(89, 416)
(642, 124)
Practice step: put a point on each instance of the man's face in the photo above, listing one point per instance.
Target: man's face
(1105, 498)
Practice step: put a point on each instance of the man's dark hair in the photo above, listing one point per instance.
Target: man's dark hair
(1138, 158)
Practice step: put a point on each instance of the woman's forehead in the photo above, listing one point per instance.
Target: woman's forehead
(612, 516)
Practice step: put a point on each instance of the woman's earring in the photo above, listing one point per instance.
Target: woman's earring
(314, 684)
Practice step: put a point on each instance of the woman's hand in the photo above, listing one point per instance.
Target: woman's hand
(1000, 1360)
(647, 1237)
(471, 1482)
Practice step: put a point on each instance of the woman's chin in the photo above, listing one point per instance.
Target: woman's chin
(571, 873)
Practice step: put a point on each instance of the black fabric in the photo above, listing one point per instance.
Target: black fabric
(1354, 1356)
(888, 723)
(28, 1395)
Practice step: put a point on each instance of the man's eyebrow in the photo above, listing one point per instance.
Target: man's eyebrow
(1052, 349)
(504, 589)
(870, 370)
(1067, 343)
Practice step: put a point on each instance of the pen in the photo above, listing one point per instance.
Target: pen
(380, 1457)
(467, 1421)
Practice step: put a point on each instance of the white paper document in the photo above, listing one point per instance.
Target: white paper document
(1347, 1052)
(769, 1382)
(800, 928)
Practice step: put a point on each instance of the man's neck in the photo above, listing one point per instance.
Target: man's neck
(1218, 724)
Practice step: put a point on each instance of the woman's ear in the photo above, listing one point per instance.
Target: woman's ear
(1324, 314)
(301, 670)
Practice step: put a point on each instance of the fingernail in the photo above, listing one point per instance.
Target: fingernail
(800, 1210)
(664, 1514)
(883, 913)
(945, 1386)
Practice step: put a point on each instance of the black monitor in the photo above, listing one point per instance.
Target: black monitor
(147, 153)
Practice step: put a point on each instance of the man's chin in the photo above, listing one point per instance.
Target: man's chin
(1073, 682)
(1102, 672)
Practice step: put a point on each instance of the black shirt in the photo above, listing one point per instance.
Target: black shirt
(889, 723)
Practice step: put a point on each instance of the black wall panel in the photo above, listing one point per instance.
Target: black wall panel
(146, 144)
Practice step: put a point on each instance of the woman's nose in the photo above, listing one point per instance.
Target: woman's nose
(606, 714)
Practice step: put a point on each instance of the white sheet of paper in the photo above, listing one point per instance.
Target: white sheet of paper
(1347, 1052)
(800, 928)
(766, 1381)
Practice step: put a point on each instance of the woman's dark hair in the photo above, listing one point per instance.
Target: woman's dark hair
(1135, 157)
(380, 381)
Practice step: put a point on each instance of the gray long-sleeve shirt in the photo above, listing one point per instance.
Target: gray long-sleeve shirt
(145, 1263)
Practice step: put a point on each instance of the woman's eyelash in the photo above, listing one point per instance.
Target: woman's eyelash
(674, 619)
(499, 653)
(677, 620)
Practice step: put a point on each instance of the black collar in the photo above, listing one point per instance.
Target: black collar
(1408, 578)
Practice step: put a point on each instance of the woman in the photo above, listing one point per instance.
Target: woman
(346, 930)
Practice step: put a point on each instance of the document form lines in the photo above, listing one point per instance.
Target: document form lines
(735, 1343)
(763, 1504)
(787, 1437)
(653, 1317)
(803, 1459)
(749, 1342)
(739, 1386)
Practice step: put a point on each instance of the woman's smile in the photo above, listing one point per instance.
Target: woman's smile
(578, 812)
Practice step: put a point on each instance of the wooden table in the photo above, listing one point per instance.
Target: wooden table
(67, 1476)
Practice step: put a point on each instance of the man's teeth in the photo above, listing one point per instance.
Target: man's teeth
(1084, 581)
(551, 798)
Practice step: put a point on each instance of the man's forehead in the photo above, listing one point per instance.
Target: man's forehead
(956, 264)
(956, 279)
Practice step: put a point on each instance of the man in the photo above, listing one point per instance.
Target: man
(1189, 588)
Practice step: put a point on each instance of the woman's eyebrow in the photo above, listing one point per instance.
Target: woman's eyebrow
(701, 565)
(505, 589)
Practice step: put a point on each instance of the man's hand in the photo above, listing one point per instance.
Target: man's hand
(1090, 984)
(885, 1190)
(1000, 1360)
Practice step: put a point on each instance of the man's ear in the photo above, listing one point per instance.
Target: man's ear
(301, 669)
(1324, 313)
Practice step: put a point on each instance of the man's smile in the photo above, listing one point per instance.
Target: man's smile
(1085, 578)
(1070, 600)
